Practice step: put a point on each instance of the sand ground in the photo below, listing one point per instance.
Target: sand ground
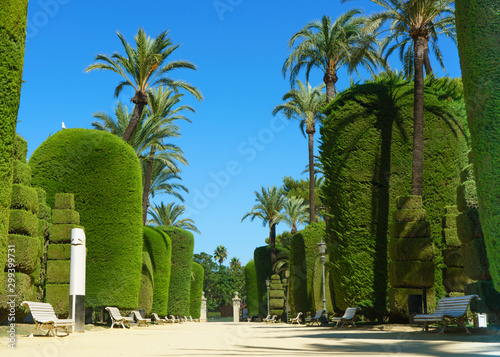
(256, 339)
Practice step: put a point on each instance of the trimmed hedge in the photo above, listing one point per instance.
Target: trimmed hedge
(24, 290)
(453, 257)
(64, 201)
(65, 216)
(180, 275)
(469, 226)
(276, 296)
(24, 198)
(27, 252)
(478, 25)
(398, 300)
(58, 296)
(59, 252)
(475, 260)
(61, 233)
(418, 229)
(196, 290)
(251, 288)
(12, 38)
(58, 271)
(411, 274)
(411, 249)
(23, 222)
(20, 148)
(159, 246)
(454, 279)
(21, 173)
(450, 237)
(317, 286)
(263, 270)
(146, 291)
(103, 173)
(490, 298)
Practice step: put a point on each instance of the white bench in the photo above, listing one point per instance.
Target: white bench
(117, 318)
(448, 309)
(45, 318)
(348, 317)
(317, 318)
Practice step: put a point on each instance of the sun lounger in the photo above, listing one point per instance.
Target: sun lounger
(175, 319)
(272, 319)
(193, 320)
(139, 319)
(348, 317)
(45, 318)
(296, 319)
(117, 318)
(156, 319)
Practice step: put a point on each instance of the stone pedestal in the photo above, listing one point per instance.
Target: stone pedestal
(236, 307)
(203, 313)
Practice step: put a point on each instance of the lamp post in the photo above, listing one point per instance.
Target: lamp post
(268, 282)
(322, 251)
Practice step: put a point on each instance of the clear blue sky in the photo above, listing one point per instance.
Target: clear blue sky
(234, 146)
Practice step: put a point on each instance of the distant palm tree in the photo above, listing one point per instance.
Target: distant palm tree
(168, 215)
(330, 46)
(295, 213)
(305, 105)
(144, 67)
(234, 263)
(270, 202)
(220, 254)
(418, 22)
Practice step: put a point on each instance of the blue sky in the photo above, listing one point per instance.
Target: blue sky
(234, 145)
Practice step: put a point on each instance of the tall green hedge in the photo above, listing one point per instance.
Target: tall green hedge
(159, 247)
(104, 174)
(303, 254)
(180, 277)
(196, 290)
(478, 26)
(263, 269)
(12, 37)
(146, 291)
(251, 288)
(366, 151)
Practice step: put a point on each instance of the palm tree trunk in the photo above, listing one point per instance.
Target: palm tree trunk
(330, 79)
(312, 208)
(147, 185)
(272, 243)
(418, 118)
(140, 100)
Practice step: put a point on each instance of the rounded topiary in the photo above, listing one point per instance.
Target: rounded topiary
(103, 173)
(24, 198)
(469, 226)
(21, 173)
(411, 249)
(251, 289)
(27, 255)
(454, 279)
(476, 263)
(411, 274)
(263, 268)
(180, 277)
(159, 246)
(23, 222)
(147, 284)
(196, 290)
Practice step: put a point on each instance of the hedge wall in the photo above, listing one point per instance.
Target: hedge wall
(104, 174)
(478, 25)
(12, 37)
(159, 246)
(251, 288)
(303, 253)
(263, 269)
(366, 151)
(196, 290)
(180, 277)
(146, 291)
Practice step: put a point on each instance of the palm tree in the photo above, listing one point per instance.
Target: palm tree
(169, 216)
(418, 22)
(329, 46)
(295, 213)
(144, 67)
(270, 202)
(161, 178)
(220, 254)
(305, 104)
(235, 263)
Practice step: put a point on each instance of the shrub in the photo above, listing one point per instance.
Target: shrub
(146, 292)
(196, 290)
(103, 173)
(251, 287)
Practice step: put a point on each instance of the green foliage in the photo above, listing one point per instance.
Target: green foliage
(411, 274)
(469, 226)
(12, 38)
(476, 262)
(59, 252)
(454, 279)
(27, 252)
(24, 198)
(180, 276)
(20, 148)
(146, 291)
(196, 290)
(58, 271)
(367, 153)
(103, 173)
(23, 290)
(61, 233)
(64, 201)
(23, 222)
(21, 173)
(159, 246)
(251, 288)
(478, 24)
(57, 295)
(490, 298)
(263, 269)
(65, 216)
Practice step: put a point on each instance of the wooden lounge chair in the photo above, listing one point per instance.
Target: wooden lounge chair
(175, 319)
(156, 319)
(296, 319)
(139, 319)
(448, 309)
(117, 318)
(45, 318)
(348, 317)
(315, 319)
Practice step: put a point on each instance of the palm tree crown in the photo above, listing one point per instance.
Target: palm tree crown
(329, 46)
(295, 213)
(220, 254)
(168, 215)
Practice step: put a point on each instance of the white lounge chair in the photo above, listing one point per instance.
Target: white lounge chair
(175, 319)
(348, 317)
(272, 319)
(156, 319)
(117, 318)
(296, 319)
(139, 319)
(193, 320)
(45, 318)
(316, 318)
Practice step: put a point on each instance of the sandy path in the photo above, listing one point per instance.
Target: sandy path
(255, 339)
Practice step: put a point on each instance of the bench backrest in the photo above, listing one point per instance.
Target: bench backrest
(350, 312)
(318, 314)
(41, 311)
(115, 313)
(138, 315)
(456, 304)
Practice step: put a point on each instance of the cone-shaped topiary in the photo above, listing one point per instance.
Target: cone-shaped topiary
(251, 288)
(196, 290)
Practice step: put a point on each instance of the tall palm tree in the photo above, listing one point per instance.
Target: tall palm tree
(168, 215)
(295, 213)
(161, 180)
(418, 22)
(304, 104)
(235, 263)
(270, 202)
(220, 254)
(330, 46)
(142, 68)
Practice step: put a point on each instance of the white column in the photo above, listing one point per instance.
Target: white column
(236, 307)
(203, 313)
(77, 279)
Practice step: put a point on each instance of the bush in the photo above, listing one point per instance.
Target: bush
(103, 173)
(264, 271)
(146, 292)
(196, 290)
(23, 222)
(24, 198)
(251, 287)
(59, 252)
(411, 274)
(475, 260)
(180, 277)
(58, 272)
(27, 252)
